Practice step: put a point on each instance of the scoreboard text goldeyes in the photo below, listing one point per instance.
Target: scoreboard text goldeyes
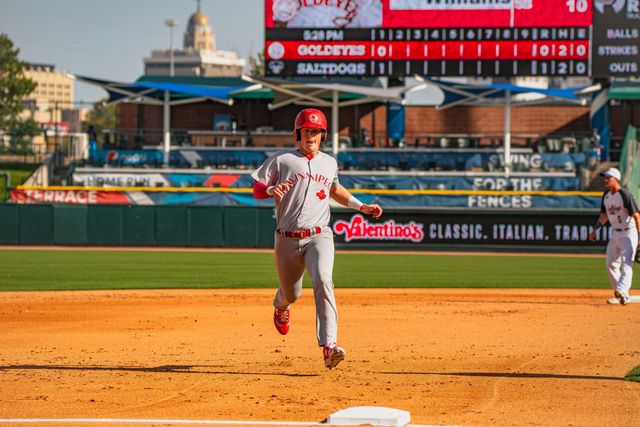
(448, 37)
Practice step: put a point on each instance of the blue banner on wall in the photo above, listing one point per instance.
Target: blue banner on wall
(395, 121)
(515, 182)
(355, 159)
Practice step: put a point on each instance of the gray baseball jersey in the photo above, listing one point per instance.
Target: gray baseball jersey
(306, 204)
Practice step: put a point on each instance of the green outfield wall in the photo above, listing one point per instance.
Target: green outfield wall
(253, 227)
(119, 225)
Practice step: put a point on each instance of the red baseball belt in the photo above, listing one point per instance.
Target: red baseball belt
(300, 234)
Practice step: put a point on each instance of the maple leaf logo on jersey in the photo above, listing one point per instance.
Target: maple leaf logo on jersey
(321, 195)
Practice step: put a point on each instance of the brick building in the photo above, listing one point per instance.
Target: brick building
(137, 119)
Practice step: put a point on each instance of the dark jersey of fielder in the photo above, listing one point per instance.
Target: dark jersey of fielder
(619, 207)
(306, 204)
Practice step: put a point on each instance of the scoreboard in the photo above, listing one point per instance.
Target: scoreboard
(478, 38)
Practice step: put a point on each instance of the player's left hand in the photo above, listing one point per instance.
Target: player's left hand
(636, 258)
(374, 210)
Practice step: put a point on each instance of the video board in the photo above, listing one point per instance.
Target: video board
(478, 38)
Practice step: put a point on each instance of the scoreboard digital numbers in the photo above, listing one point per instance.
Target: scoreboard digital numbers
(477, 38)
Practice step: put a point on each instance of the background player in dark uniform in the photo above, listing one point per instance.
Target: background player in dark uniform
(621, 210)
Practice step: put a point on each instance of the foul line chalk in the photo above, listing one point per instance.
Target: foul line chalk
(142, 421)
(635, 298)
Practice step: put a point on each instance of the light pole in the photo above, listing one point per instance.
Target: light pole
(171, 23)
(166, 152)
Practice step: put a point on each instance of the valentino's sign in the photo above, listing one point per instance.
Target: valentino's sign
(358, 228)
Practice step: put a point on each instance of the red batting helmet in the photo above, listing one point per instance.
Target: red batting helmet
(310, 118)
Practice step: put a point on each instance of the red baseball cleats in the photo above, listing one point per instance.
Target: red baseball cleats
(281, 320)
(333, 355)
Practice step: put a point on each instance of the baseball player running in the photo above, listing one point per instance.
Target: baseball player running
(621, 210)
(301, 181)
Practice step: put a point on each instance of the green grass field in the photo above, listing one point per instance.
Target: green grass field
(633, 375)
(19, 173)
(26, 270)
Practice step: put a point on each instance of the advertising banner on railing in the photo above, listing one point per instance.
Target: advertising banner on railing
(94, 177)
(470, 181)
(484, 199)
(217, 158)
(457, 160)
(244, 197)
(123, 178)
(70, 196)
(353, 159)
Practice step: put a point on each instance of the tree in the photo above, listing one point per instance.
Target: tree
(25, 127)
(256, 65)
(102, 117)
(14, 88)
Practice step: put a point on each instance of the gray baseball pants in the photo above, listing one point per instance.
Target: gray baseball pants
(316, 254)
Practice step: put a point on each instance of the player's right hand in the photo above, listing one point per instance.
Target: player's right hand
(281, 189)
(592, 236)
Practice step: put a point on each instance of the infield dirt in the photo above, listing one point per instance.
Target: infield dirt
(450, 357)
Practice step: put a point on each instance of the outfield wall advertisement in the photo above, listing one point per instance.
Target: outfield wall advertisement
(234, 226)
(428, 228)
(244, 197)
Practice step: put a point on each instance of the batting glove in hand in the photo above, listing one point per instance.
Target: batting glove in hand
(636, 258)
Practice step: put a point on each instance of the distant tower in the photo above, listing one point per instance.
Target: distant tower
(199, 35)
(198, 58)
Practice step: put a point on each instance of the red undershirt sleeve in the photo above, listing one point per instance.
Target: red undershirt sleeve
(260, 190)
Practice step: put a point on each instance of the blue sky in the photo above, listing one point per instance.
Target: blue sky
(109, 38)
